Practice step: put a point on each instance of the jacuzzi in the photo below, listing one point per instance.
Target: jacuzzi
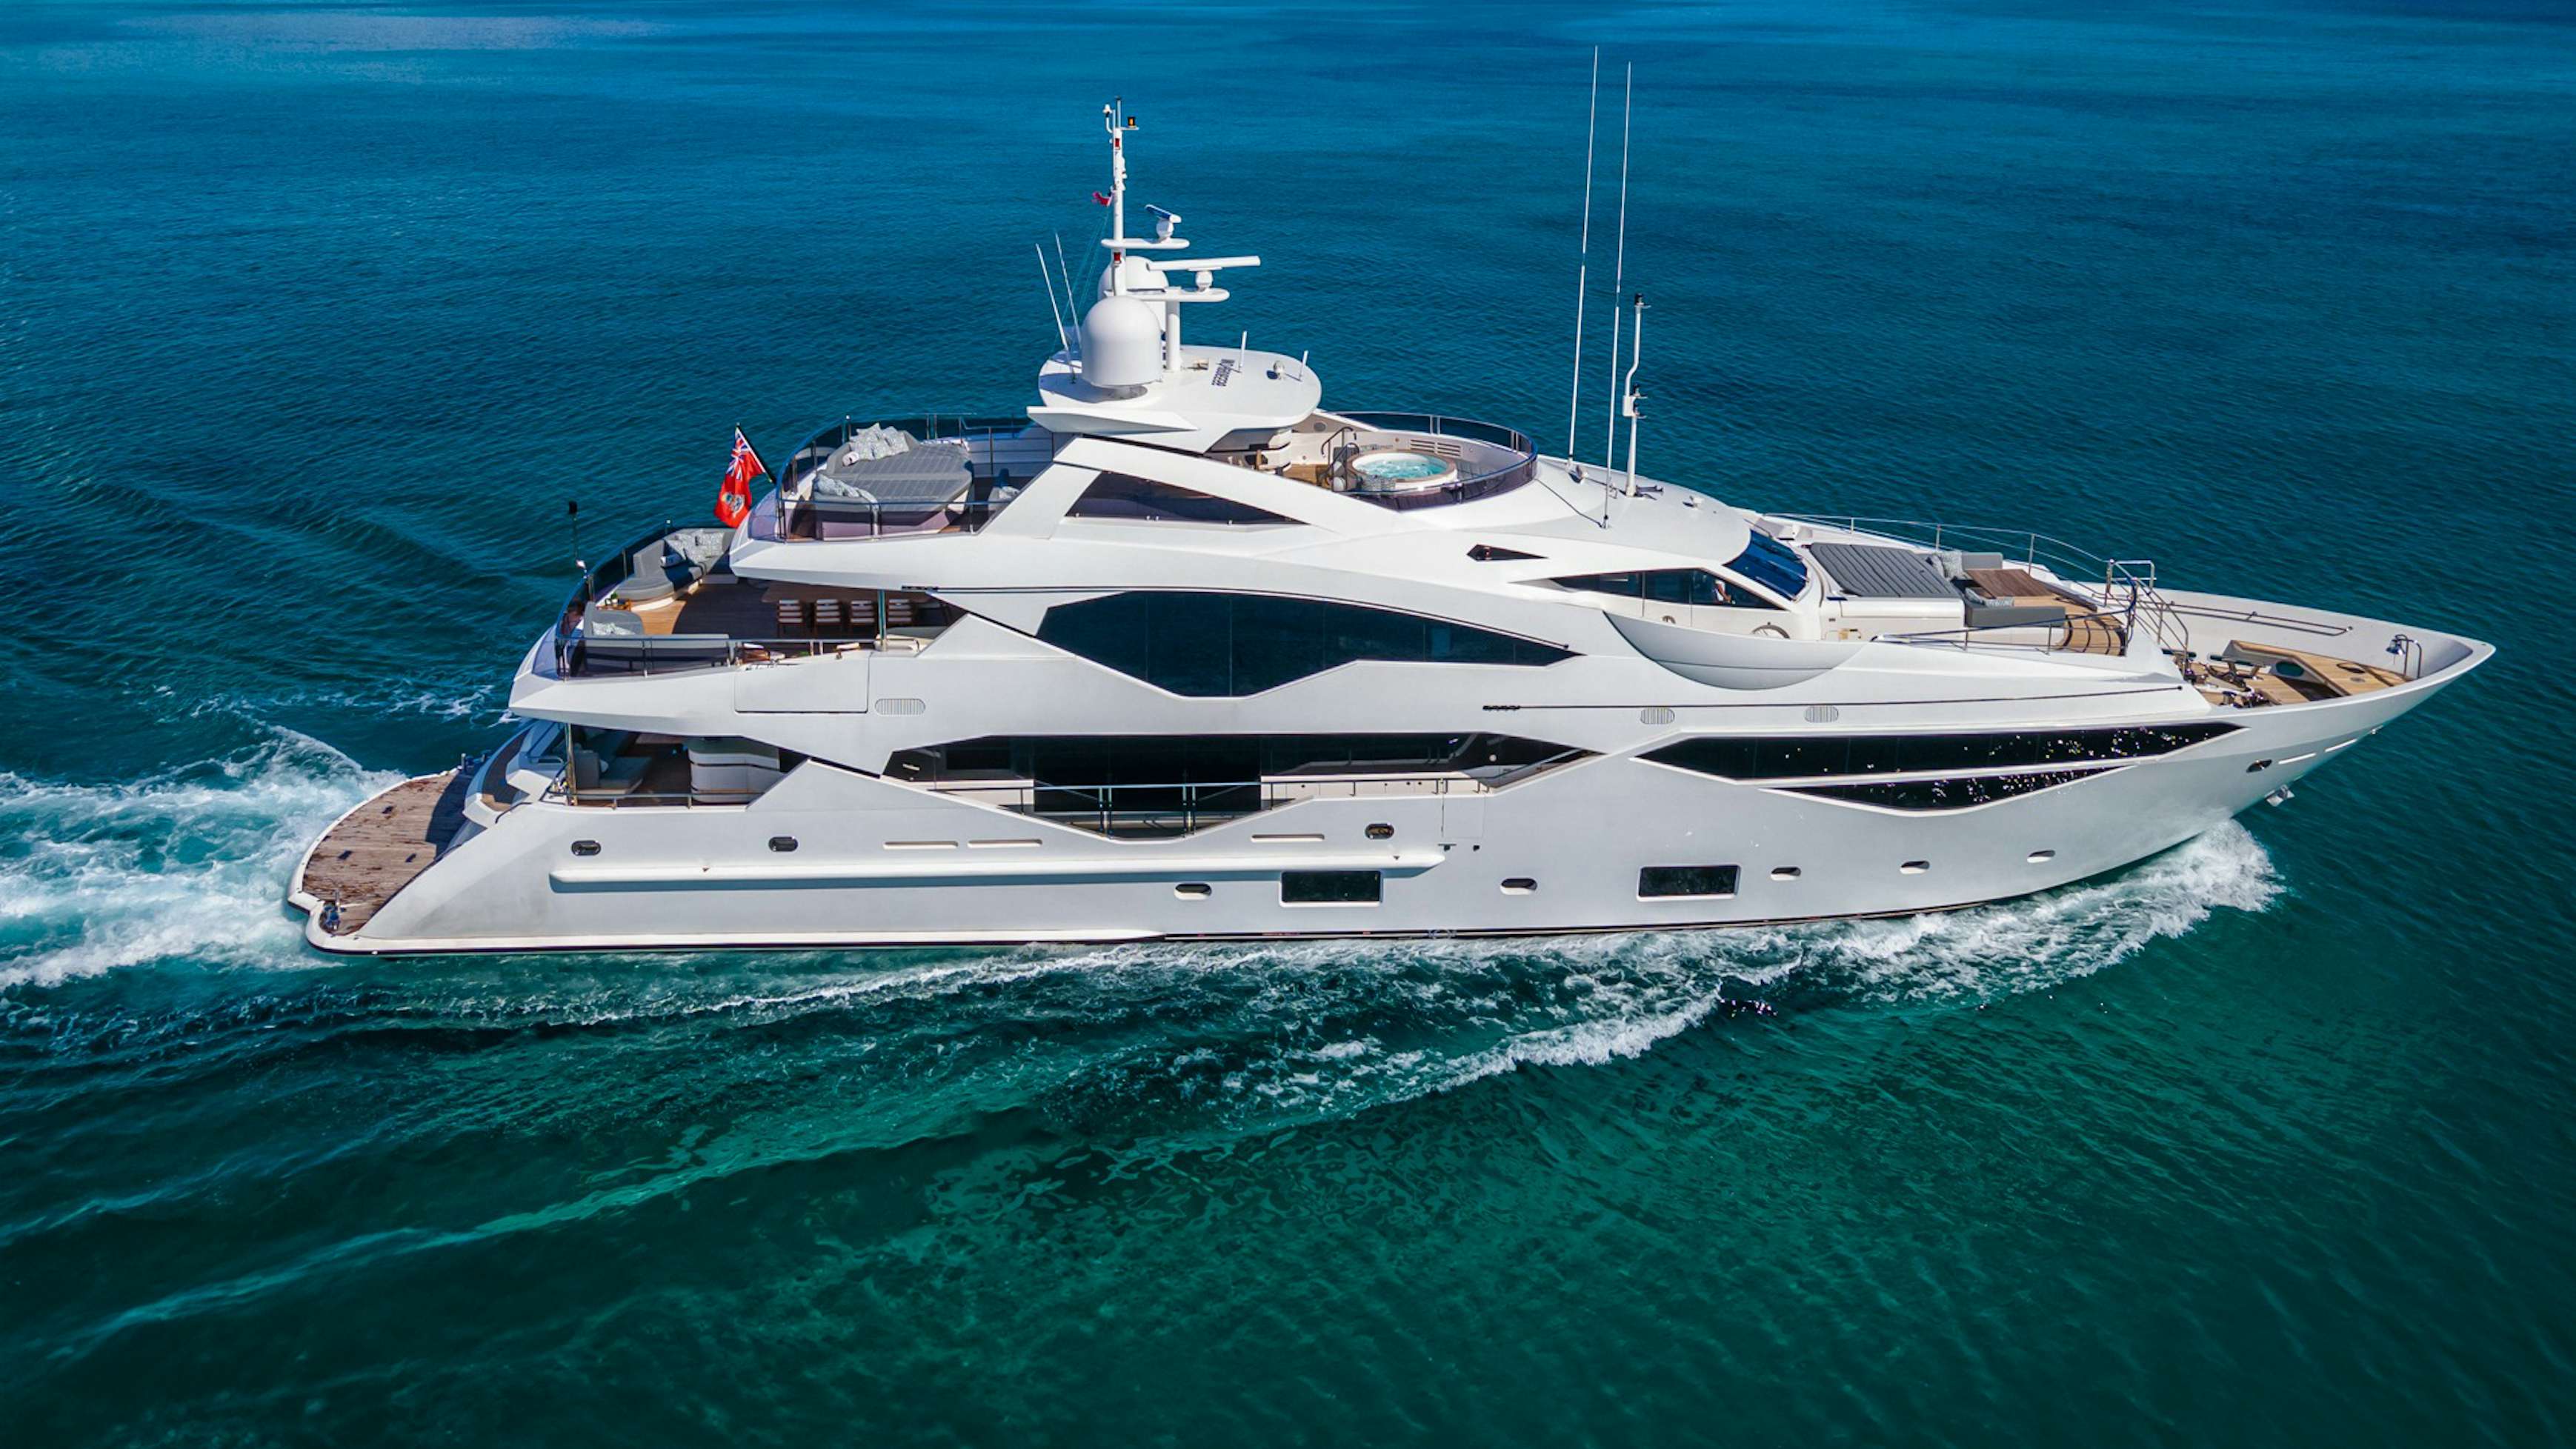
(1401, 470)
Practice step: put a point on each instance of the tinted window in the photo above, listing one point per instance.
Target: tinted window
(1783, 757)
(1123, 495)
(1670, 586)
(1328, 887)
(1772, 564)
(1686, 880)
(1949, 794)
(1204, 759)
(1235, 644)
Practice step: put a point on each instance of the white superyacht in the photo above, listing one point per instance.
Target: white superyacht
(1181, 652)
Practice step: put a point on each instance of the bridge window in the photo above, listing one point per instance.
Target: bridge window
(1125, 496)
(1207, 644)
(1772, 564)
(1671, 586)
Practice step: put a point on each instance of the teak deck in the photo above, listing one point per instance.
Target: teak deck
(2338, 676)
(382, 846)
(2092, 634)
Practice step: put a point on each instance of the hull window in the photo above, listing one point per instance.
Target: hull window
(1329, 887)
(1162, 785)
(1793, 757)
(1704, 882)
(1204, 644)
(633, 769)
(1950, 794)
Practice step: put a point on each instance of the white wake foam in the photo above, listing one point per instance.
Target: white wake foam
(1349, 1023)
(191, 864)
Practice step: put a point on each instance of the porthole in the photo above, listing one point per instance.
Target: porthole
(782, 843)
(1193, 890)
(1381, 832)
(585, 847)
(1915, 867)
(1784, 872)
(2258, 767)
(1519, 885)
(2040, 857)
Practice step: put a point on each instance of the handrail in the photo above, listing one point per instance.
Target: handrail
(699, 651)
(1465, 488)
(2034, 547)
(595, 582)
(808, 455)
(972, 513)
(2072, 563)
(2121, 616)
(1099, 802)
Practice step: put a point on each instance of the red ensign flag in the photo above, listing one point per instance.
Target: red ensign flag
(733, 501)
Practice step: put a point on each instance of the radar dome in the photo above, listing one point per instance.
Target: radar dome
(1122, 343)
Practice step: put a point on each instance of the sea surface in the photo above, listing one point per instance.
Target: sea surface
(313, 318)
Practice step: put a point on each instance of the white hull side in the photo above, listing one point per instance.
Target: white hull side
(881, 864)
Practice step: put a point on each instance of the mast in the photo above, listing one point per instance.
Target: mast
(1583, 266)
(1619, 275)
(1117, 189)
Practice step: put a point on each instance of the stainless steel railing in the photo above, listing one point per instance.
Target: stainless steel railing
(1519, 466)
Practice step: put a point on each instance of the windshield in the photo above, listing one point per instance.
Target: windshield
(1772, 564)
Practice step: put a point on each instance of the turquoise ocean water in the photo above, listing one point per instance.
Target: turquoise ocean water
(311, 318)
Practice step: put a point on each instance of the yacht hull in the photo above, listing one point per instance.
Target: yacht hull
(876, 864)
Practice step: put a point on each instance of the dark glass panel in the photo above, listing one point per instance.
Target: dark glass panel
(1775, 757)
(1122, 495)
(1686, 880)
(1670, 586)
(1772, 564)
(1236, 644)
(1275, 640)
(1956, 794)
(1329, 887)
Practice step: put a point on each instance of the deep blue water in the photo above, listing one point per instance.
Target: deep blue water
(312, 318)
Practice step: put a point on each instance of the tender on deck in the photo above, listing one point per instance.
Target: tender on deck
(375, 850)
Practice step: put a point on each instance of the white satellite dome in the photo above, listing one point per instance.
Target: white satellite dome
(1122, 343)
